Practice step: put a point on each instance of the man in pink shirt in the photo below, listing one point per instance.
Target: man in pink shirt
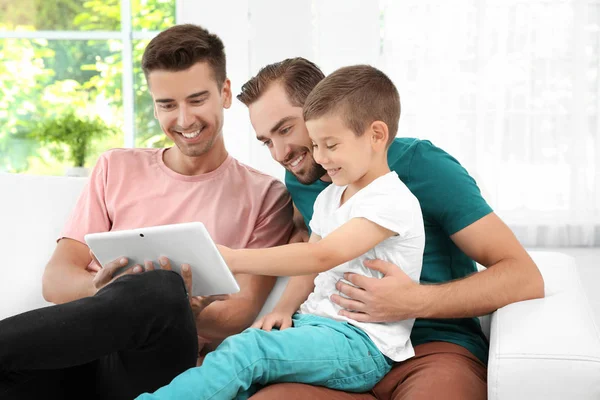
(116, 338)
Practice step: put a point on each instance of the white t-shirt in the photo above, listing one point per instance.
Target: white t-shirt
(389, 203)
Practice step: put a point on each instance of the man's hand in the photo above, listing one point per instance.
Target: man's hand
(198, 303)
(94, 267)
(274, 319)
(106, 274)
(394, 297)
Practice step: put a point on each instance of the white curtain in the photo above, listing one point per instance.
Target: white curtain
(510, 88)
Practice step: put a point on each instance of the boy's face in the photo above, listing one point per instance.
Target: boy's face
(280, 127)
(189, 107)
(345, 156)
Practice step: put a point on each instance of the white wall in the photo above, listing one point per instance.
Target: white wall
(511, 88)
(260, 32)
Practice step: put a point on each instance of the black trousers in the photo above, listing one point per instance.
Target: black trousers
(134, 336)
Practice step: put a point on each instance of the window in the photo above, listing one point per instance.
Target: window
(80, 55)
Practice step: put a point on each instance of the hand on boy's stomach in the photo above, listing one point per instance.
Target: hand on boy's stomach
(346, 302)
(394, 297)
(347, 282)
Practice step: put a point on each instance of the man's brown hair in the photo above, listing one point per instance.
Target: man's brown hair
(298, 76)
(360, 95)
(181, 46)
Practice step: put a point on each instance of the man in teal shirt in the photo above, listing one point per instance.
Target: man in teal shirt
(460, 227)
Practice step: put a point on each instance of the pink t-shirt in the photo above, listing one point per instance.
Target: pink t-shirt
(133, 188)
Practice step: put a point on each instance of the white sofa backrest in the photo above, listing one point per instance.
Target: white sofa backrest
(33, 210)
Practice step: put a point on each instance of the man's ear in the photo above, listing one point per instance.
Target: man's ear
(379, 134)
(226, 93)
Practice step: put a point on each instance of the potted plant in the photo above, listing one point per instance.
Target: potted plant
(70, 137)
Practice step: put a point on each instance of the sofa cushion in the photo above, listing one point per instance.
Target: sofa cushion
(32, 213)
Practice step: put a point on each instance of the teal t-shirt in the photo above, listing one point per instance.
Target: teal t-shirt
(450, 201)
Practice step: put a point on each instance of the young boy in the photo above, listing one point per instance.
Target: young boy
(352, 117)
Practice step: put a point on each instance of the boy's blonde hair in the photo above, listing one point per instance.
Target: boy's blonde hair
(360, 95)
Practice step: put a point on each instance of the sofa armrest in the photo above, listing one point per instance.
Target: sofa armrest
(546, 348)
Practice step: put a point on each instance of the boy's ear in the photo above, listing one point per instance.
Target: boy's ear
(379, 134)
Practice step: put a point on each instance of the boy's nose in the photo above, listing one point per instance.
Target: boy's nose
(318, 156)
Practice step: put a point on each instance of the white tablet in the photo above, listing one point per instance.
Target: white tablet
(188, 243)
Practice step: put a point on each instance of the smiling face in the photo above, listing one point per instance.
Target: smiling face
(347, 158)
(280, 126)
(189, 107)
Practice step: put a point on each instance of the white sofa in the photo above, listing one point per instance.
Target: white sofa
(540, 349)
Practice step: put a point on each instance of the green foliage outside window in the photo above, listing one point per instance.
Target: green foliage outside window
(70, 137)
(44, 79)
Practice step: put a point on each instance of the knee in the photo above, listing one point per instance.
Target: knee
(162, 289)
(155, 291)
(448, 375)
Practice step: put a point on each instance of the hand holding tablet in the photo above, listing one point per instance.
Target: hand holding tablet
(188, 243)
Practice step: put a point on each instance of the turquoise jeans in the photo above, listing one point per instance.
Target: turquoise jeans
(317, 351)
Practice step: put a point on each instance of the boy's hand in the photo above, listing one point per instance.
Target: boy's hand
(275, 319)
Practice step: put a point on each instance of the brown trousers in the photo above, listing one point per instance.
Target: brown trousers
(439, 370)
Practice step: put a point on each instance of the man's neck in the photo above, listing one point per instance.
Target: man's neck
(175, 160)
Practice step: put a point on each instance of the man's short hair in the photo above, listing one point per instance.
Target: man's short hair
(180, 47)
(298, 76)
(360, 95)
